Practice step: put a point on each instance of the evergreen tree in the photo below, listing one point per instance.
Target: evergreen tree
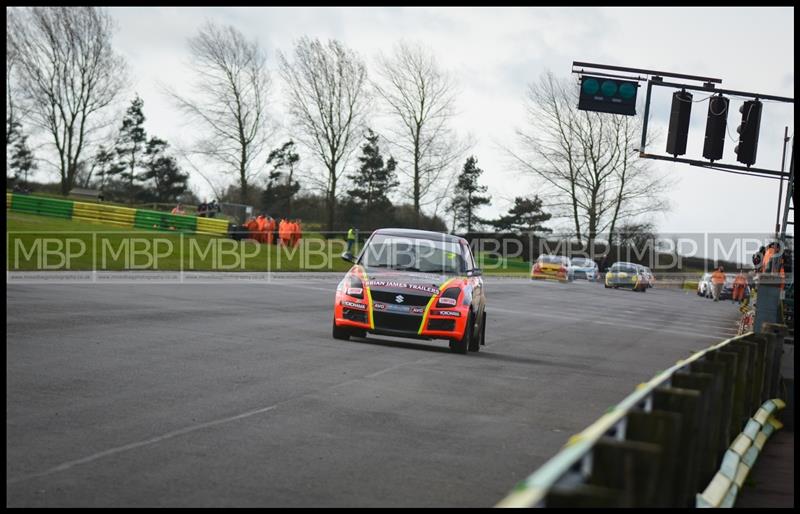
(279, 191)
(21, 160)
(468, 196)
(525, 216)
(13, 133)
(130, 146)
(107, 167)
(164, 181)
(373, 181)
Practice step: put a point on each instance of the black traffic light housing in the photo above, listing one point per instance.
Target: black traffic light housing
(602, 94)
(716, 125)
(748, 132)
(679, 123)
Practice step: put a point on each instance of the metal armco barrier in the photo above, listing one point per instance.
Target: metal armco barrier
(740, 457)
(664, 443)
(115, 215)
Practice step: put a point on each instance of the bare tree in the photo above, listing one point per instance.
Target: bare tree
(230, 100)
(12, 92)
(585, 161)
(69, 73)
(328, 100)
(421, 99)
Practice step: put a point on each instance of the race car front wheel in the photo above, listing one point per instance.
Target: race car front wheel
(476, 342)
(340, 332)
(465, 343)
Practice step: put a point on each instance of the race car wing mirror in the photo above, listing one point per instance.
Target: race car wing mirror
(474, 272)
(349, 257)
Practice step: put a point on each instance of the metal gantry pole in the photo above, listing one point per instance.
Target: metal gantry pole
(646, 116)
(789, 192)
(780, 189)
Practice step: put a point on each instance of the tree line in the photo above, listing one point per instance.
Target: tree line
(63, 76)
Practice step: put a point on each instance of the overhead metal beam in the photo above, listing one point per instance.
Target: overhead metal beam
(707, 164)
(611, 75)
(712, 89)
(647, 72)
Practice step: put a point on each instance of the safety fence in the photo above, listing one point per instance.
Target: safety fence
(115, 215)
(667, 441)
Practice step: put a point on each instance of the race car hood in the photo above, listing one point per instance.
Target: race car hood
(423, 284)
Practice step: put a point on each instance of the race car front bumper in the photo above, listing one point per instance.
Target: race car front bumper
(429, 322)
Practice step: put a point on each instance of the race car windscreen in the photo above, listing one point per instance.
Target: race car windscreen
(551, 259)
(582, 263)
(413, 254)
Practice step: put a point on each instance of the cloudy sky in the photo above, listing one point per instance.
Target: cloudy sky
(494, 53)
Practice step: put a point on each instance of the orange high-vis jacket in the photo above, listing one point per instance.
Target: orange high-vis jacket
(718, 277)
(252, 227)
(295, 233)
(767, 257)
(740, 280)
(262, 227)
(282, 231)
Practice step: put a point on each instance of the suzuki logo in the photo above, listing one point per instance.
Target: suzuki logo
(399, 298)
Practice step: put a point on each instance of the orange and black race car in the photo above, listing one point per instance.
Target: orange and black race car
(413, 283)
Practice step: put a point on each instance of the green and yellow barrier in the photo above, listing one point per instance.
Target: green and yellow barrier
(212, 226)
(156, 220)
(42, 206)
(115, 215)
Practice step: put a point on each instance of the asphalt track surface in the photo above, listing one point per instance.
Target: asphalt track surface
(235, 394)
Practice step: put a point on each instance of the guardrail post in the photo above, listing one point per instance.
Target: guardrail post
(752, 387)
(661, 428)
(721, 404)
(710, 389)
(740, 413)
(685, 402)
(731, 362)
(776, 333)
(763, 361)
(629, 466)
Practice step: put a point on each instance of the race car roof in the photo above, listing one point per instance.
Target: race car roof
(420, 234)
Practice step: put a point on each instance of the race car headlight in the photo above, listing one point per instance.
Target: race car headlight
(355, 287)
(449, 298)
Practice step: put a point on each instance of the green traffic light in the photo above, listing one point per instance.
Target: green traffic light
(590, 86)
(627, 90)
(609, 88)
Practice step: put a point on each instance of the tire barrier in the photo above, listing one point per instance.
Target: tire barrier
(41, 206)
(212, 226)
(164, 221)
(740, 457)
(664, 443)
(115, 215)
(112, 214)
